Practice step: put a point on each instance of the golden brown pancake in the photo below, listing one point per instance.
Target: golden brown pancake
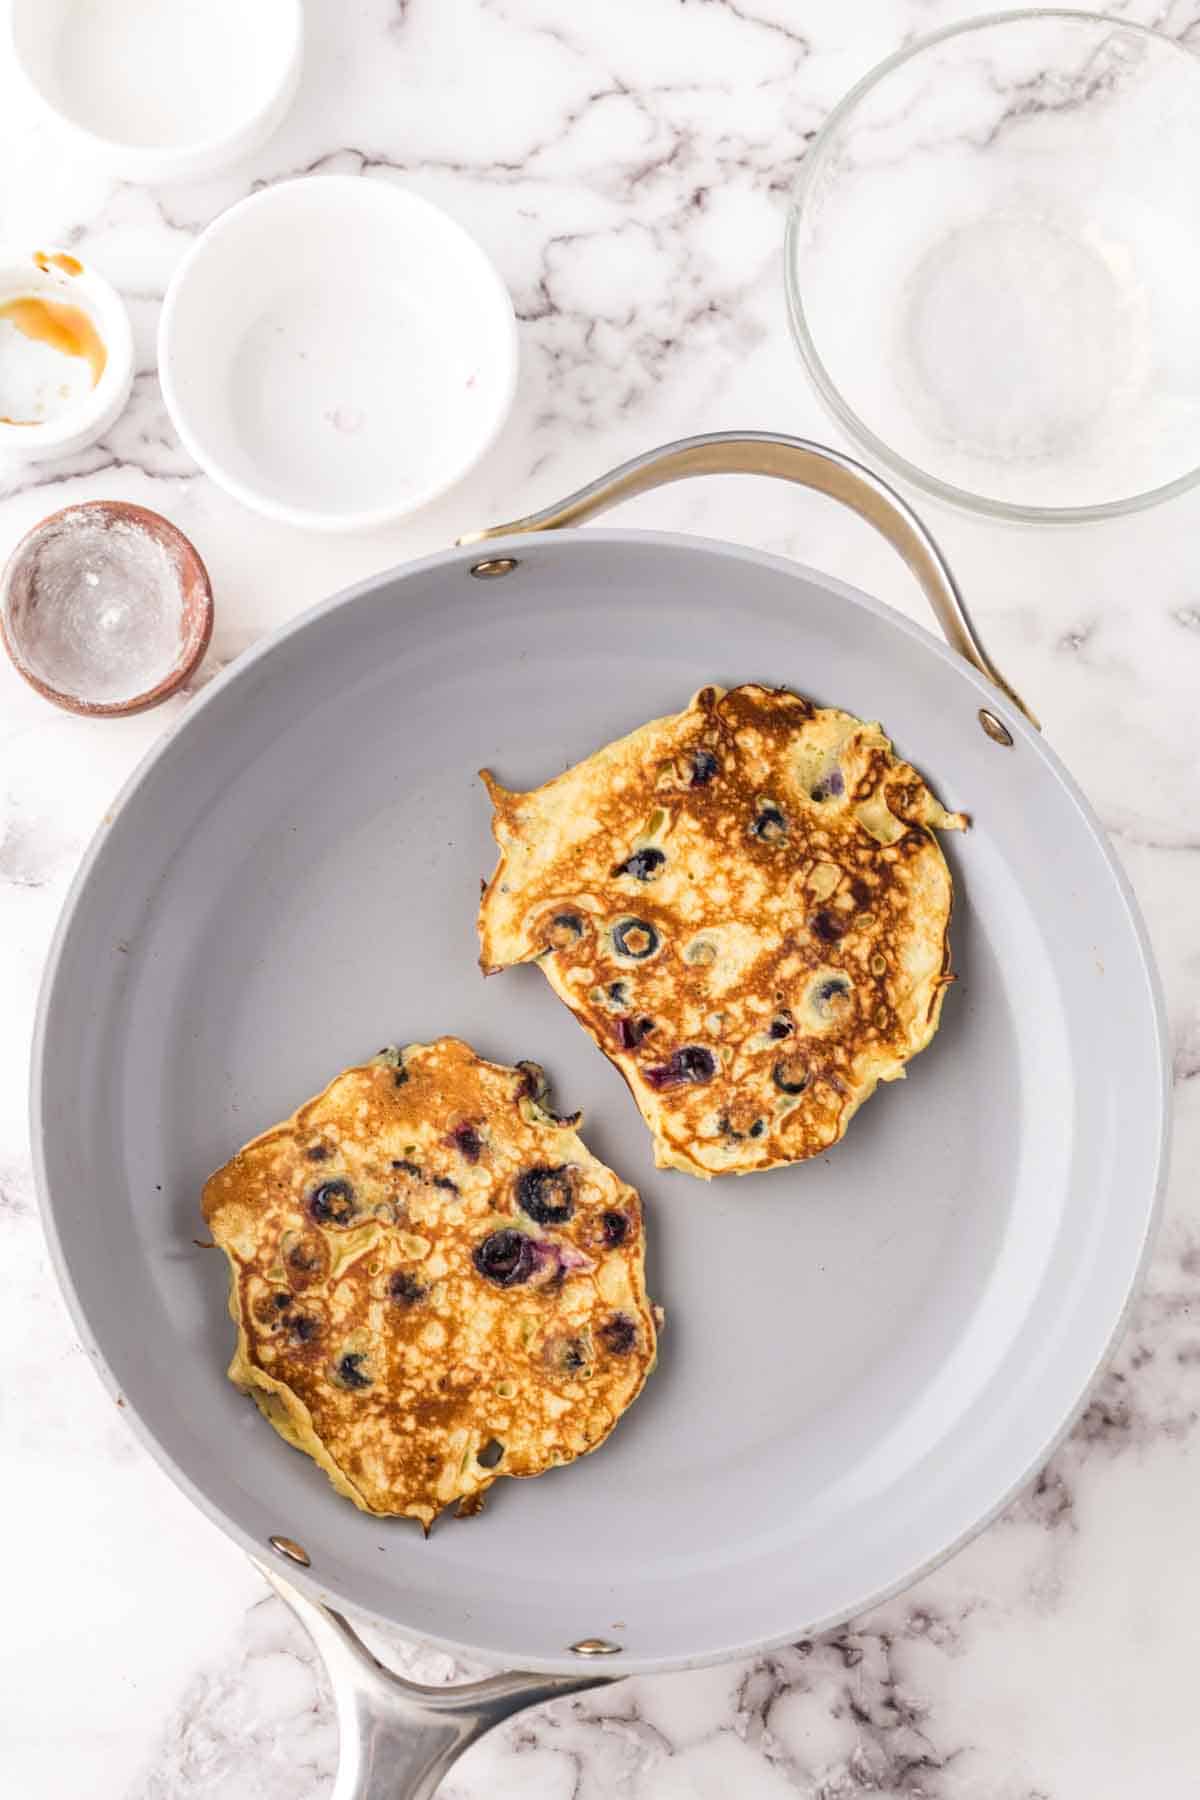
(746, 906)
(434, 1281)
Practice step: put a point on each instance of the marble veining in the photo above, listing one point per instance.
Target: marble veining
(627, 167)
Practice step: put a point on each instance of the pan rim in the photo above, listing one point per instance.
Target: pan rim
(520, 545)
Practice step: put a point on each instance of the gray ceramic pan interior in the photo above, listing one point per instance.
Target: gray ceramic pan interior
(864, 1355)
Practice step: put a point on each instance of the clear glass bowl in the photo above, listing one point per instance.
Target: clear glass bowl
(993, 265)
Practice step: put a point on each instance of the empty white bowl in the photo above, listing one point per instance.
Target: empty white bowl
(161, 90)
(336, 352)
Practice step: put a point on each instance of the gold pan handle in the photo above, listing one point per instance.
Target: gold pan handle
(787, 459)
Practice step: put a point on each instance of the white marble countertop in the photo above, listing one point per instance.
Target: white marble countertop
(627, 166)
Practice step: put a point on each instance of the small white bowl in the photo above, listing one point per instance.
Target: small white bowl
(336, 352)
(41, 384)
(161, 90)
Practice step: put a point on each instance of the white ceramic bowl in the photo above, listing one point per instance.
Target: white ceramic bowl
(161, 90)
(38, 383)
(336, 352)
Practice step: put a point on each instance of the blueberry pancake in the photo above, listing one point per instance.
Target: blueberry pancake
(746, 906)
(434, 1282)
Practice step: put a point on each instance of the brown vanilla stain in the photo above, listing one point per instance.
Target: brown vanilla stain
(67, 329)
(57, 259)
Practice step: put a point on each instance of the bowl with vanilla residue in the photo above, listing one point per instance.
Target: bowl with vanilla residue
(66, 354)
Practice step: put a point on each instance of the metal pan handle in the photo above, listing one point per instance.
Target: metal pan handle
(396, 1738)
(810, 465)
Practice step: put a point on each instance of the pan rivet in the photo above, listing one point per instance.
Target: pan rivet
(292, 1550)
(495, 566)
(594, 1647)
(996, 729)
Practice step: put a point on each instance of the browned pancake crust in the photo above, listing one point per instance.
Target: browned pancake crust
(369, 1333)
(745, 905)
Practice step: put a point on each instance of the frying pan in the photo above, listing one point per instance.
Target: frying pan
(865, 1356)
